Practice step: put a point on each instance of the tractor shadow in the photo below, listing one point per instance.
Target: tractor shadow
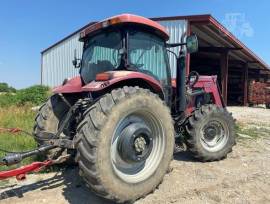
(71, 185)
(184, 156)
(73, 188)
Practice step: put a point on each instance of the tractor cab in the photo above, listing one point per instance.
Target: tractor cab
(125, 43)
(137, 46)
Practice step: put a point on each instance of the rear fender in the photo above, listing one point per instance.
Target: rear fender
(123, 78)
(75, 84)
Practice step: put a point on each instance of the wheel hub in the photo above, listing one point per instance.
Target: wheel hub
(214, 135)
(210, 133)
(135, 143)
(139, 144)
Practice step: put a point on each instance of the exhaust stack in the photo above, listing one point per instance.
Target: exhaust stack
(181, 84)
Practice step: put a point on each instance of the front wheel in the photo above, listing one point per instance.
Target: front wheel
(210, 133)
(125, 144)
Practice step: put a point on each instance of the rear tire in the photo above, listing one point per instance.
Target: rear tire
(211, 133)
(96, 138)
(48, 119)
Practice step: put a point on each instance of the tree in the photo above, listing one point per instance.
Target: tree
(5, 88)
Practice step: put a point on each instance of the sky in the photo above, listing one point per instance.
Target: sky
(27, 27)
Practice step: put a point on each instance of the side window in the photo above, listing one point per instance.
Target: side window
(101, 54)
(148, 55)
(105, 54)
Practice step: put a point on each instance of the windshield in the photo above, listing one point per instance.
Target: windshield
(101, 53)
(147, 54)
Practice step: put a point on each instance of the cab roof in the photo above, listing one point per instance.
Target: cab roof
(126, 19)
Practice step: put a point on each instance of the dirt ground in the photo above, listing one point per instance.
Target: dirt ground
(252, 116)
(244, 177)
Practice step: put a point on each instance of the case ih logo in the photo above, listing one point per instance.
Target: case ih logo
(105, 84)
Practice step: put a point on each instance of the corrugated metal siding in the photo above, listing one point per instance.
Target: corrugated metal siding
(176, 28)
(57, 61)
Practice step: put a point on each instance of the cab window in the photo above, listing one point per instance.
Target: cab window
(147, 54)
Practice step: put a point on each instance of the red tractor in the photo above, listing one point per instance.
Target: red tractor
(122, 117)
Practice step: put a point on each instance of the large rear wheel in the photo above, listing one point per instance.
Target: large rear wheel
(125, 144)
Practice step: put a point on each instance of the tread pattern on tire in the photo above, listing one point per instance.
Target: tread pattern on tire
(45, 121)
(193, 123)
(88, 136)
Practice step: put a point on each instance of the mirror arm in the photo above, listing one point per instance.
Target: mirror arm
(172, 53)
(170, 45)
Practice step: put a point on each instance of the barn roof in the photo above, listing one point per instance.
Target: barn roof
(211, 33)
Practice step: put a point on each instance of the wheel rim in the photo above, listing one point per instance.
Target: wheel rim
(214, 135)
(148, 144)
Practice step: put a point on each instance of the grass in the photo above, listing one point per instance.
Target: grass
(20, 117)
(251, 131)
(248, 132)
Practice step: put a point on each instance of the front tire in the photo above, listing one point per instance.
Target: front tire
(210, 133)
(125, 144)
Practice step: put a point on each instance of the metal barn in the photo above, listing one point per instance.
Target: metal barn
(220, 53)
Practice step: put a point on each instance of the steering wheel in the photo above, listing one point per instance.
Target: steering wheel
(193, 78)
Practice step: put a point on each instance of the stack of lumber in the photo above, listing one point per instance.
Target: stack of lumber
(257, 93)
(267, 93)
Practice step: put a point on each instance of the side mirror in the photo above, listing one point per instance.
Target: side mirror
(192, 43)
(76, 62)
